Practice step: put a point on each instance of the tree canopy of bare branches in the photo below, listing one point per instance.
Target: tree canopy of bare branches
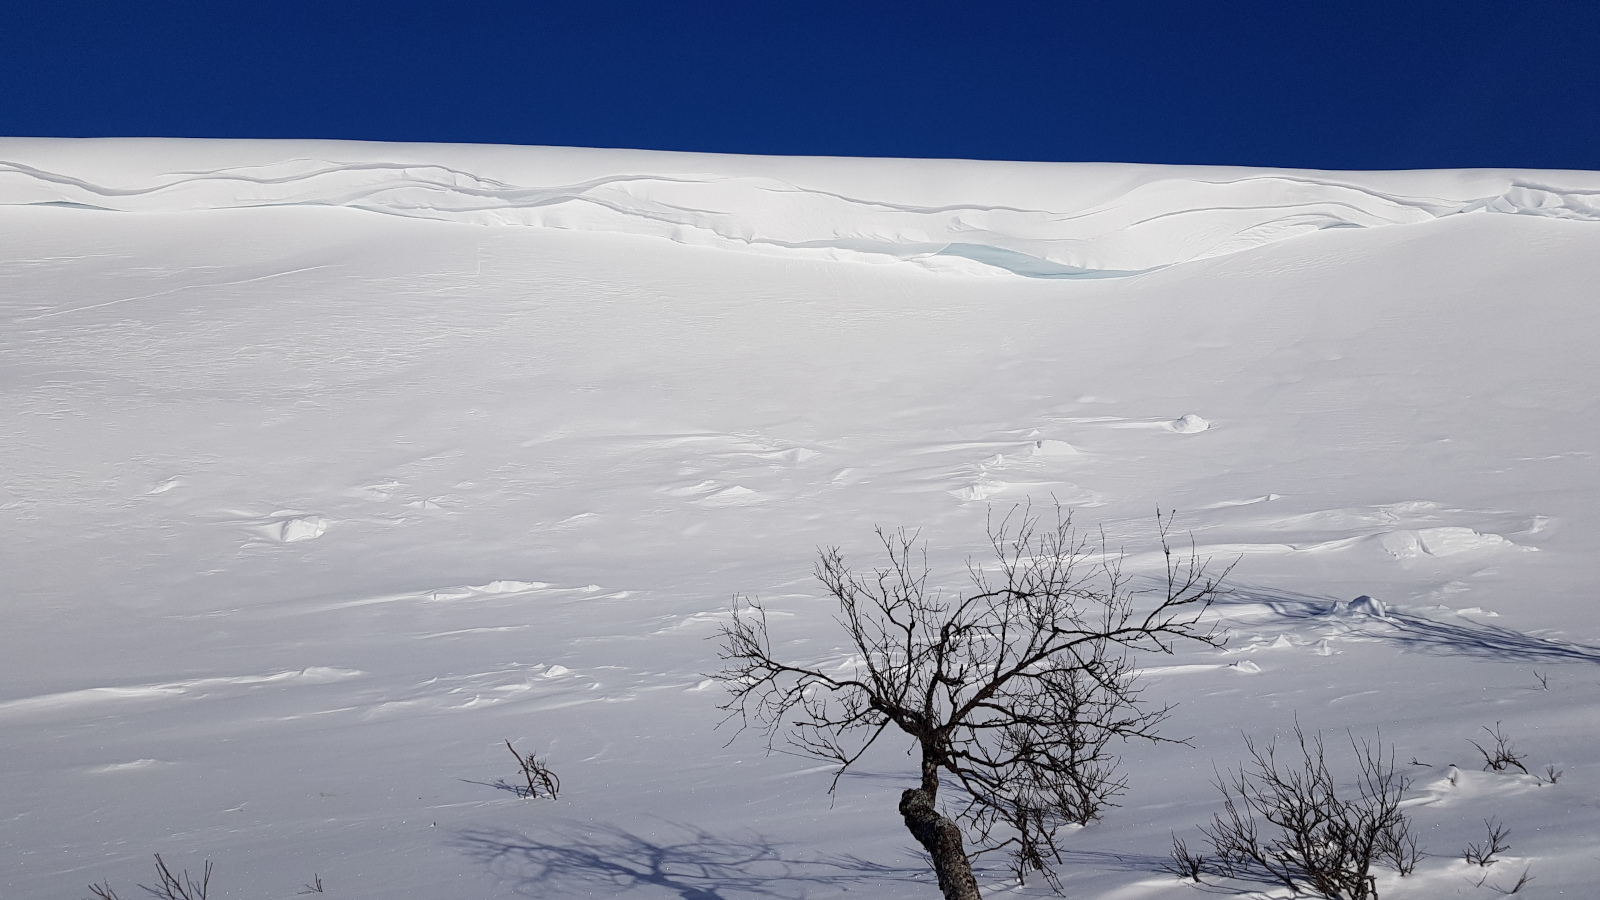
(1013, 691)
(1318, 837)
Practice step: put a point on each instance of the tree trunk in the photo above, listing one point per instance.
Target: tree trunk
(942, 839)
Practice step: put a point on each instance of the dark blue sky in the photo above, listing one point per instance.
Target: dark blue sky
(1398, 84)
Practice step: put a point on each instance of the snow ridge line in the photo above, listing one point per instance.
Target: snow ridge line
(1157, 224)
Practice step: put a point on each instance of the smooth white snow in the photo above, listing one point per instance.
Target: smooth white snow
(332, 466)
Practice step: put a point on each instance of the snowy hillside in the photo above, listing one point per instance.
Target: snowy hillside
(332, 466)
(1155, 218)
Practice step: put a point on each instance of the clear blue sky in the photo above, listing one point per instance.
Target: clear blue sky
(1397, 84)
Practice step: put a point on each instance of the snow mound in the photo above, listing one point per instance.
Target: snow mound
(1159, 223)
(1451, 540)
(1363, 606)
(292, 529)
(732, 496)
(1047, 449)
(508, 587)
(1442, 541)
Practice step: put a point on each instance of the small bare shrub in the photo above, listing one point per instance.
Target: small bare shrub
(168, 886)
(1320, 840)
(1496, 843)
(1502, 755)
(315, 887)
(1401, 850)
(1185, 863)
(538, 775)
(1550, 775)
(171, 888)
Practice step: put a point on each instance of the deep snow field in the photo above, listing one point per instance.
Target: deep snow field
(329, 467)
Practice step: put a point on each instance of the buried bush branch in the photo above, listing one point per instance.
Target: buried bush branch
(1502, 755)
(1184, 862)
(168, 886)
(1521, 882)
(1496, 843)
(537, 774)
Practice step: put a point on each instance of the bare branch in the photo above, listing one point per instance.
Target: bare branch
(1318, 837)
(537, 774)
(171, 887)
(1503, 755)
(1497, 842)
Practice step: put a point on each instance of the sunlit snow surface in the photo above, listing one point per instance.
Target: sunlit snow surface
(329, 467)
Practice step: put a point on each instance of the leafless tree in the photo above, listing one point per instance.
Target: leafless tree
(1013, 692)
(1318, 837)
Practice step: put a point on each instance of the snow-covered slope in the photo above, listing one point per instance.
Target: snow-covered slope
(1164, 218)
(331, 466)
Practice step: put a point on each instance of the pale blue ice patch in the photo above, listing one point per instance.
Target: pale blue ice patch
(1023, 264)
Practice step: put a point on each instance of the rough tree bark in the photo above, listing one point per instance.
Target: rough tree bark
(941, 837)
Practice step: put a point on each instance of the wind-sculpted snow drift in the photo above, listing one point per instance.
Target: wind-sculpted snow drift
(1158, 223)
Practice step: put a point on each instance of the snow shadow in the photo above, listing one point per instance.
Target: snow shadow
(500, 784)
(1023, 264)
(1111, 861)
(1446, 634)
(685, 860)
(1241, 882)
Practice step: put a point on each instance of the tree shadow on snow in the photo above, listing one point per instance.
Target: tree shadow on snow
(1107, 860)
(691, 862)
(500, 784)
(1244, 879)
(1447, 634)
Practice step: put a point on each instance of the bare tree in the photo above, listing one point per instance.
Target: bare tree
(1013, 691)
(1319, 837)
